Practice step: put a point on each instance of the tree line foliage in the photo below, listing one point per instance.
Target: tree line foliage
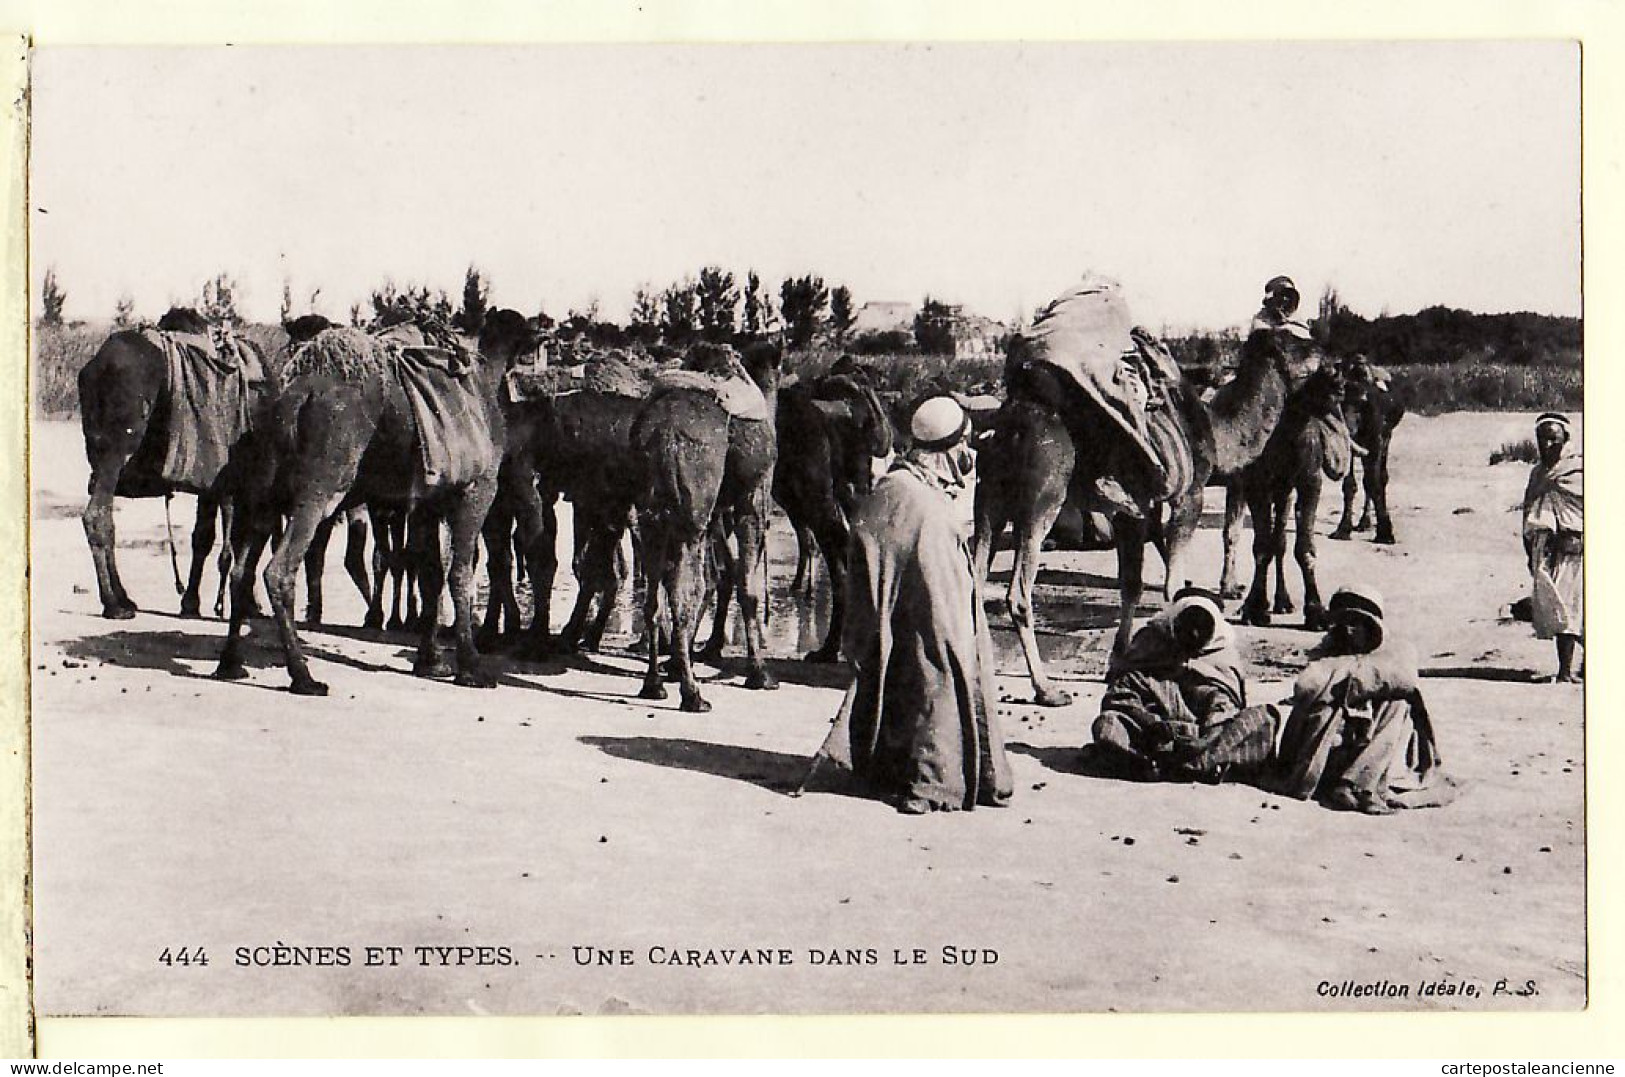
(1441, 358)
(1446, 335)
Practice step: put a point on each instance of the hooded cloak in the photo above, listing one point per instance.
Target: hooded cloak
(920, 714)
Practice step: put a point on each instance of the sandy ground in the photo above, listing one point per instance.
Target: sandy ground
(560, 817)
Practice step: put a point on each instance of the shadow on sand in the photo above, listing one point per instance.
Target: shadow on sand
(776, 772)
(165, 651)
(1485, 673)
(1082, 762)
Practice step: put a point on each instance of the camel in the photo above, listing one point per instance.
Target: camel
(1309, 442)
(576, 445)
(125, 410)
(833, 434)
(1372, 413)
(704, 476)
(349, 435)
(1045, 447)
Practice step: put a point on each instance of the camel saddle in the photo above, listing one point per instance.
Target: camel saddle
(737, 394)
(610, 375)
(445, 352)
(1087, 336)
(211, 382)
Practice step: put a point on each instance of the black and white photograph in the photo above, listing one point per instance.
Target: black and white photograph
(735, 529)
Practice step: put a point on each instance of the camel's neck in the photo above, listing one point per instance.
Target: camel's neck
(1245, 412)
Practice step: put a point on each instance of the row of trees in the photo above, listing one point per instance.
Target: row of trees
(1447, 335)
(713, 307)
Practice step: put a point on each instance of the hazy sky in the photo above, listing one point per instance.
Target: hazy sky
(1405, 175)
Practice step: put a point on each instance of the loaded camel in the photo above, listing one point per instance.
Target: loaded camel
(1047, 444)
(348, 433)
(705, 475)
(131, 413)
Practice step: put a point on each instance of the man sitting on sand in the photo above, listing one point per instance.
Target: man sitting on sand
(1176, 703)
(1359, 737)
(1554, 541)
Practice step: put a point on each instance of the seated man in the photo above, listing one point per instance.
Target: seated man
(1358, 737)
(1176, 702)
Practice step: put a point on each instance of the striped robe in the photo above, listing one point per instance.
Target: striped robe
(1184, 718)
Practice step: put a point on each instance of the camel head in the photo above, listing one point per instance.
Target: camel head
(1322, 392)
(183, 320)
(850, 405)
(506, 335)
(304, 328)
(762, 360)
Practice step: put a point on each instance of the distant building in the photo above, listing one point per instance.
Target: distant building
(883, 317)
(976, 337)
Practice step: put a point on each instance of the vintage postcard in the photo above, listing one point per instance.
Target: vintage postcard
(388, 404)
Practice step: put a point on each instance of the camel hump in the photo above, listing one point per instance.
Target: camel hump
(184, 320)
(341, 353)
(739, 396)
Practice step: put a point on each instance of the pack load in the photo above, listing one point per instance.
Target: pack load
(211, 380)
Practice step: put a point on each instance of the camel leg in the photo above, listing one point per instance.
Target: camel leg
(1130, 535)
(1235, 503)
(225, 562)
(466, 519)
(355, 552)
(1345, 524)
(411, 583)
(722, 589)
(535, 530)
(282, 574)
(398, 558)
(804, 559)
(99, 532)
(538, 530)
(609, 587)
(500, 600)
(687, 592)
(423, 540)
(1030, 534)
(656, 568)
(1376, 485)
(1283, 597)
(315, 568)
(597, 578)
(1184, 517)
(380, 564)
(248, 542)
(202, 542)
(1255, 610)
(589, 583)
(832, 537)
(750, 576)
(1314, 611)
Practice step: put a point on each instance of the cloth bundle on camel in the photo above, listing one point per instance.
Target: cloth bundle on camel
(453, 431)
(1087, 334)
(718, 371)
(208, 401)
(612, 374)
